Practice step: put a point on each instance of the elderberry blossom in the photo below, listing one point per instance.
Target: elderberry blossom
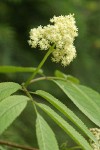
(96, 133)
(61, 32)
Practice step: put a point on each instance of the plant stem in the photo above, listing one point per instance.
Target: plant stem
(47, 78)
(10, 144)
(29, 95)
(40, 65)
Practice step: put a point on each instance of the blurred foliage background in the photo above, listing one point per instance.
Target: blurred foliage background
(17, 17)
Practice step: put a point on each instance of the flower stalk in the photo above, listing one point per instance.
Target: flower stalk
(39, 66)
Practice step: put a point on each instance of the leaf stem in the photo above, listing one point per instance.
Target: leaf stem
(75, 147)
(10, 144)
(40, 65)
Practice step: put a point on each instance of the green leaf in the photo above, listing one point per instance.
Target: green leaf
(86, 99)
(10, 108)
(78, 138)
(8, 88)
(14, 69)
(67, 112)
(2, 148)
(67, 77)
(45, 135)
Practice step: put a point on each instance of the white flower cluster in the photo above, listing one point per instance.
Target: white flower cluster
(62, 33)
(96, 133)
